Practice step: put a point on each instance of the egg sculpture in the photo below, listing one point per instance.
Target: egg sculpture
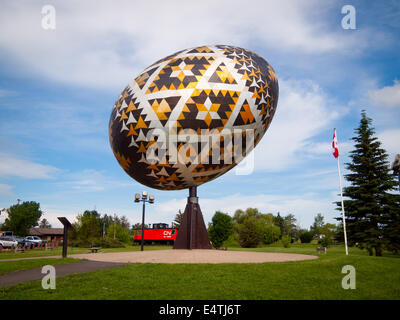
(193, 115)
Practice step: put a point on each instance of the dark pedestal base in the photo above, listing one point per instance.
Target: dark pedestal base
(192, 233)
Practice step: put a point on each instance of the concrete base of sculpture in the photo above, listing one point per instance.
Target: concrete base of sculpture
(192, 232)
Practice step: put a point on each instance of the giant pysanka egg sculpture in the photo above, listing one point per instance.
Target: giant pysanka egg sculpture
(192, 116)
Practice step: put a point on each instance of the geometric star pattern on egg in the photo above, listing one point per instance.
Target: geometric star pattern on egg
(200, 90)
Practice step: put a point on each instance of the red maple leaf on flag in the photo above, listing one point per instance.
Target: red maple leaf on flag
(335, 145)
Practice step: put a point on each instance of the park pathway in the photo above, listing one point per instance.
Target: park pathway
(16, 277)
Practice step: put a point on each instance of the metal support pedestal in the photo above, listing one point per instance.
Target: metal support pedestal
(192, 232)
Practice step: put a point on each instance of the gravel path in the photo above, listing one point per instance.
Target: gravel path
(16, 277)
(193, 256)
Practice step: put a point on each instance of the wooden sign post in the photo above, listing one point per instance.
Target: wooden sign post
(67, 226)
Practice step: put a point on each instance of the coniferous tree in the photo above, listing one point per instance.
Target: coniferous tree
(178, 220)
(372, 208)
(44, 223)
(280, 222)
(317, 225)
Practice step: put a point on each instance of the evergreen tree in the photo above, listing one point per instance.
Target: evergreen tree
(317, 225)
(372, 210)
(280, 222)
(44, 223)
(178, 220)
(290, 227)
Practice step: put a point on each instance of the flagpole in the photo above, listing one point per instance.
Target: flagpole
(341, 197)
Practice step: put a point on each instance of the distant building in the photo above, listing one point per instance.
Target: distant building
(48, 234)
(6, 233)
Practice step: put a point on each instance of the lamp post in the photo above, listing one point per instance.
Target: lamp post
(144, 200)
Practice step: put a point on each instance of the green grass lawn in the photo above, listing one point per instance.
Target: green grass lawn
(376, 278)
(71, 250)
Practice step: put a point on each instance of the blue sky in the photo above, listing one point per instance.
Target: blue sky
(57, 89)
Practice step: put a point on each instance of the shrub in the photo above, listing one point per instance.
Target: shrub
(306, 236)
(251, 233)
(121, 234)
(286, 241)
(325, 241)
(79, 243)
(109, 243)
(220, 229)
(271, 234)
(106, 243)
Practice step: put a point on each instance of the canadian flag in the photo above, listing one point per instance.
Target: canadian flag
(335, 145)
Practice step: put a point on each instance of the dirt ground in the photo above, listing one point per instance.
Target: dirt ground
(193, 256)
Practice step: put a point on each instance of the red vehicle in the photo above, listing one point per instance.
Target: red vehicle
(160, 233)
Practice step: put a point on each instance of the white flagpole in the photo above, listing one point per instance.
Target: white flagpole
(341, 197)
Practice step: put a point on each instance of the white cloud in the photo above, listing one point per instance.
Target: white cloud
(13, 166)
(325, 148)
(303, 112)
(90, 180)
(390, 142)
(104, 45)
(52, 213)
(388, 96)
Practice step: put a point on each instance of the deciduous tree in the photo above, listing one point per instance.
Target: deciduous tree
(22, 216)
(220, 228)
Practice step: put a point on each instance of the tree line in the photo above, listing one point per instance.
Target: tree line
(90, 228)
(250, 228)
(108, 231)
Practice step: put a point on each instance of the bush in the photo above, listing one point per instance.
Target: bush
(106, 243)
(286, 241)
(80, 243)
(251, 233)
(271, 234)
(325, 241)
(121, 234)
(306, 237)
(220, 229)
(233, 240)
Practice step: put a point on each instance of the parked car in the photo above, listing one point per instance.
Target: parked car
(21, 241)
(35, 240)
(8, 242)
